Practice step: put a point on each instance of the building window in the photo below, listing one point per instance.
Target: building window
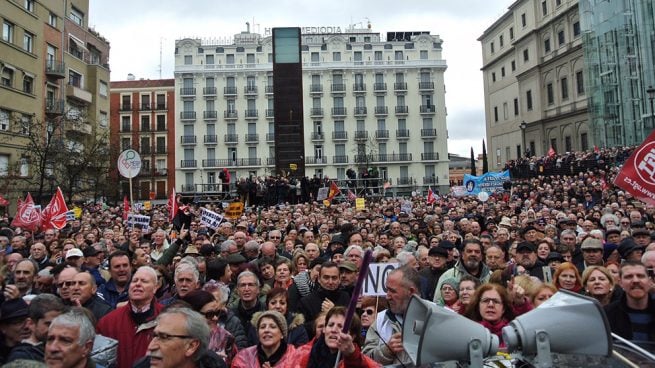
(568, 147)
(584, 143)
(493, 77)
(126, 124)
(513, 65)
(560, 37)
(526, 55)
(579, 82)
(28, 42)
(8, 32)
(516, 106)
(558, 2)
(4, 119)
(549, 94)
(502, 71)
(576, 29)
(505, 111)
(500, 41)
(7, 77)
(52, 19)
(229, 59)
(424, 54)
(29, 6)
(528, 100)
(492, 48)
(28, 84)
(77, 16)
(544, 7)
(496, 114)
(188, 59)
(523, 20)
(565, 88)
(103, 89)
(75, 79)
(547, 45)
(336, 56)
(209, 59)
(511, 33)
(103, 119)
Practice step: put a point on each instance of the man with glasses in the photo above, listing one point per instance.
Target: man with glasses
(249, 303)
(132, 324)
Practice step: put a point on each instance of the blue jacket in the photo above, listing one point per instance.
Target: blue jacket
(109, 294)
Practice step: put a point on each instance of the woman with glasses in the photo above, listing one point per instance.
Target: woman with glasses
(450, 295)
(494, 307)
(370, 307)
(278, 300)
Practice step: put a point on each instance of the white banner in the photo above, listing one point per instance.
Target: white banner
(322, 193)
(70, 215)
(138, 207)
(376, 279)
(142, 220)
(210, 218)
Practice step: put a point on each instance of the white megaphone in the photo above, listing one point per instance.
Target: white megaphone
(432, 334)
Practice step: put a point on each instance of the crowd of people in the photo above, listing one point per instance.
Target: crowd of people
(271, 288)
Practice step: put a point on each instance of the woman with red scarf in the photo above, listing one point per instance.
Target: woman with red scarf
(568, 278)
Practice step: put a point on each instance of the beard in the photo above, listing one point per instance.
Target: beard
(471, 264)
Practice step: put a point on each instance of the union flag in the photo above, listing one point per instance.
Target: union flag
(28, 216)
(54, 214)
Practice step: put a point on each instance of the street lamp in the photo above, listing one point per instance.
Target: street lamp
(523, 126)
(651, 97)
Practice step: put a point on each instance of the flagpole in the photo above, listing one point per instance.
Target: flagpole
(131, 202)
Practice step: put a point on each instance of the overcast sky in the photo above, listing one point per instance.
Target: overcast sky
(136, 29)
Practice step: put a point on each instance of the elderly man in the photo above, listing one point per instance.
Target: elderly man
(470, 264)
(526, 257)
(592, 253)
(70, 341)
(384, 338)
(65, 283)
(115, 290)
(180, 340)
(84, 295)
(24, 276)
(132, 323)
(186, 278)
(248, 304)
(39, 255)
(312, 251)
(13, 325)
(159, 245)
(354, 254)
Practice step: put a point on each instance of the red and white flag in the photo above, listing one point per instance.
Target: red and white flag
(173, 206)
(351, 195)
(54, 214)
(431, 197)
(3, 201)
(334, 191)
(126, 207)
(28, 216)
(637, 176)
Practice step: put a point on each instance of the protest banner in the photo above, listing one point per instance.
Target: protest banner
(234, 211)
(376, 280)
(144, 221)
(637, 176)
(322, 193)
(210, 218)
(360, 204)
(490, 182)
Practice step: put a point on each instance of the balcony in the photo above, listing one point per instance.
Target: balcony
(187, 92)
(311, 160)
(339, 159)
(270, 161)
(212, 162)
(427, 109)
(126, 107)
(316, 112)
(359, 88)
(55, 69)
(380, 87)
(318, 136)
(161, 172)
(402, 110)
(270, 113)
(252, 114)
(79, 93)
(188, 140)
(405, 181)
(145, 107)
(237, 162)
(340, 135)
(188, 164)
(187, 115)
(231, 139)
(230, 91)
(270, 137)
(400, 87)
(160, 106)
(209, 91)
(428, 133)
(384, 157)
(78, 127)
(55, 107)
(402, 134)
(338, 88)
(252, 138)
(210, 115)
(431, 180)
(381, 134)
(160, 150)
(251, 161)
(188, 187)
(339, 111)
(360, 111)
(361, 135)
(230, 115)
(250, 90)
(269, 89)
(381, 110)
(430, 156)
(211, 139)
(316, 89)
(426, 86)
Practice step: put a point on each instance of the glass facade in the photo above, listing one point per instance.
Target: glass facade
(619, 44)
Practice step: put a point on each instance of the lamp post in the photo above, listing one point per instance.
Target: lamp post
(523, 126)
(651, 97)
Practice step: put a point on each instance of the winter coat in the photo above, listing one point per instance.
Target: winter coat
(456, 272)
(310, 306)
(233, 325)
(355, 360)
(247, 358)
(98, 307)
(297, 335)
(209, 359)
(619, 319)
(109, 294)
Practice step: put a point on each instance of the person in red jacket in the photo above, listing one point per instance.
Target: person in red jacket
(322, 351)
(132, 324)
(272, 351)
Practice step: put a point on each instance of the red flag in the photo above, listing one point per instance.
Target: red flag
(596, 149)
(173, 206)
(431, 198)
(334, 191)
(351, 195)
(3, 201)
(27, 216)
(637, 176)
(54, 214)
(551, 152)
(126, 207)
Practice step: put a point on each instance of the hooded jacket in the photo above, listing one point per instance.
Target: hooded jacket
(456, 273)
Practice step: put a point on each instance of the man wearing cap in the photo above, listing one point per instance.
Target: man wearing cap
(13, 325)
(526, 256)
(84, 295)
(75, 257)
(348, 275)
(92, 260)
(437, 258)
(470, 264)
(592, 253)
(641, 235)
(613, 235)
(630, 250)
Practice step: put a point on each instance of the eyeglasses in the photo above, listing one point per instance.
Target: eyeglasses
(161, 336)
(369, 311)
(491, 301)
(213, 313)
(66, 283)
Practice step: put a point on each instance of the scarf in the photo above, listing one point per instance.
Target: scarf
(321, 356)
(496, 328)
(275, 357)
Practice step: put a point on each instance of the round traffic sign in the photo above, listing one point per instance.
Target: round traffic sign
(129, 163)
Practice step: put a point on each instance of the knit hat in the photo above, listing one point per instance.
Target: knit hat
(276, 316)
(198, 299)
(452, 282)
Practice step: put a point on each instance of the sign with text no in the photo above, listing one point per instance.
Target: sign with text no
(376, 279)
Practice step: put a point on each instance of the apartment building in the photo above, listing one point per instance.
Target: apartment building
(369, 102)
(534, 81)
(143, 118)
(54, 78)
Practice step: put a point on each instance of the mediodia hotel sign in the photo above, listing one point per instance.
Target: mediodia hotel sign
(310, 30)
